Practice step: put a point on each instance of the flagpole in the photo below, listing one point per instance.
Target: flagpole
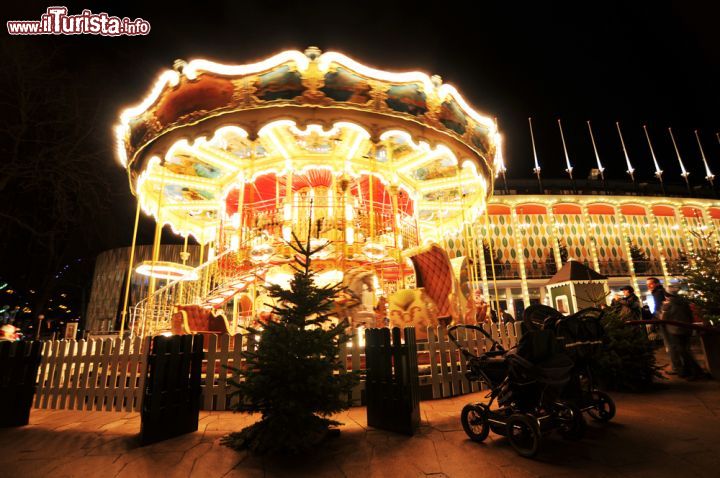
(658, 171)
(499, 155)
(597, 157)
(569, 169)
(684, 173)
(630, 169)
(537, 164)
(709, 175)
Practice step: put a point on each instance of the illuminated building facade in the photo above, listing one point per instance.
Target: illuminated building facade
(625, 237)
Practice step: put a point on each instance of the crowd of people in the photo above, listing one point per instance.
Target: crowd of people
(670, 307)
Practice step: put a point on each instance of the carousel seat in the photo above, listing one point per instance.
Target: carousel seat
(193, 319)
(435, 275)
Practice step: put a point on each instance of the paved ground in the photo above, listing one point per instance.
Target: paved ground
(672, 432)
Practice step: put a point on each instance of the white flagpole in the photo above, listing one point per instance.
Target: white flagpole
(630, 169)
(499, 157)
(597, 155)
(569, 169)
(537, 163)
(684, 172)
(658, 171)
(708, 174)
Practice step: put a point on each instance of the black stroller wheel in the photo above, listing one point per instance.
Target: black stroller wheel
(603, 407)
(524, 435)
(571, 422)
(474, 419)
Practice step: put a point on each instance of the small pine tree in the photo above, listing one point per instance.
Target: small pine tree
(702, 276)
(490, 259)
(294, 376)
(640, 260)
(550, 261)
(628, 358)
(564, 256)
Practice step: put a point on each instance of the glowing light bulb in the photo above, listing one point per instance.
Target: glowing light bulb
(261, 253)
(287, 211)
(374, 251)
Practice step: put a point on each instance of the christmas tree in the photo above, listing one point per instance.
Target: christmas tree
(702, 276)
(628, 358)
(294, 378)
(550, 261)
(639, 259)
(490, 259)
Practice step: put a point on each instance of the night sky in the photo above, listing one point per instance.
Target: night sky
(633, 62)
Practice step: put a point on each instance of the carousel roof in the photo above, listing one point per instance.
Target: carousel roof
(200, 90)
(207, 130)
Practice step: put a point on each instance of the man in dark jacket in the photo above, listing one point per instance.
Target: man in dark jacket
(506, 316)
(630, 307)
(658, 295)
(677, 338)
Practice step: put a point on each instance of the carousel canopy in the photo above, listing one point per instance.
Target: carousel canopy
(208, 131)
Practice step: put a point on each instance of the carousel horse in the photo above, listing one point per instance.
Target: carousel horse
(413, 308)
(359, 289)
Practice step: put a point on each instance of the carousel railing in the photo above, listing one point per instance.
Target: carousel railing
(372, 220)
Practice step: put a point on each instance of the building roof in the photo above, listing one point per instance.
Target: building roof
(589, 187)
(575, 271)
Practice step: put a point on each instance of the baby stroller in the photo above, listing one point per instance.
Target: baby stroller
(581, 336)
(527, 386)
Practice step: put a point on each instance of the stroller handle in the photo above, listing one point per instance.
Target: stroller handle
(496, 345)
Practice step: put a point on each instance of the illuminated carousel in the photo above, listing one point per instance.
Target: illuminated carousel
(382, 167)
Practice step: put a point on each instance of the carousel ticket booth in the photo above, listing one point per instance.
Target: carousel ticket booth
(381, 167)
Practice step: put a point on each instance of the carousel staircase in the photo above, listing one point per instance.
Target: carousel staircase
(224, 292)
(216, 282)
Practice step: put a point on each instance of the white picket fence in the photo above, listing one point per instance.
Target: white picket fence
(109, 374)
(222, 353)
(92, 374)
(443, 367)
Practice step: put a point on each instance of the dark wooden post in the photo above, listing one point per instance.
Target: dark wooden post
(19, 362)
(392, 389)
(711, 348)
(171, 400)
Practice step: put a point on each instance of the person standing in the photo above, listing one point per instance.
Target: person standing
(506, 316)
(629, 303)
(658, 295)
(493, 316)
(677, 309)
